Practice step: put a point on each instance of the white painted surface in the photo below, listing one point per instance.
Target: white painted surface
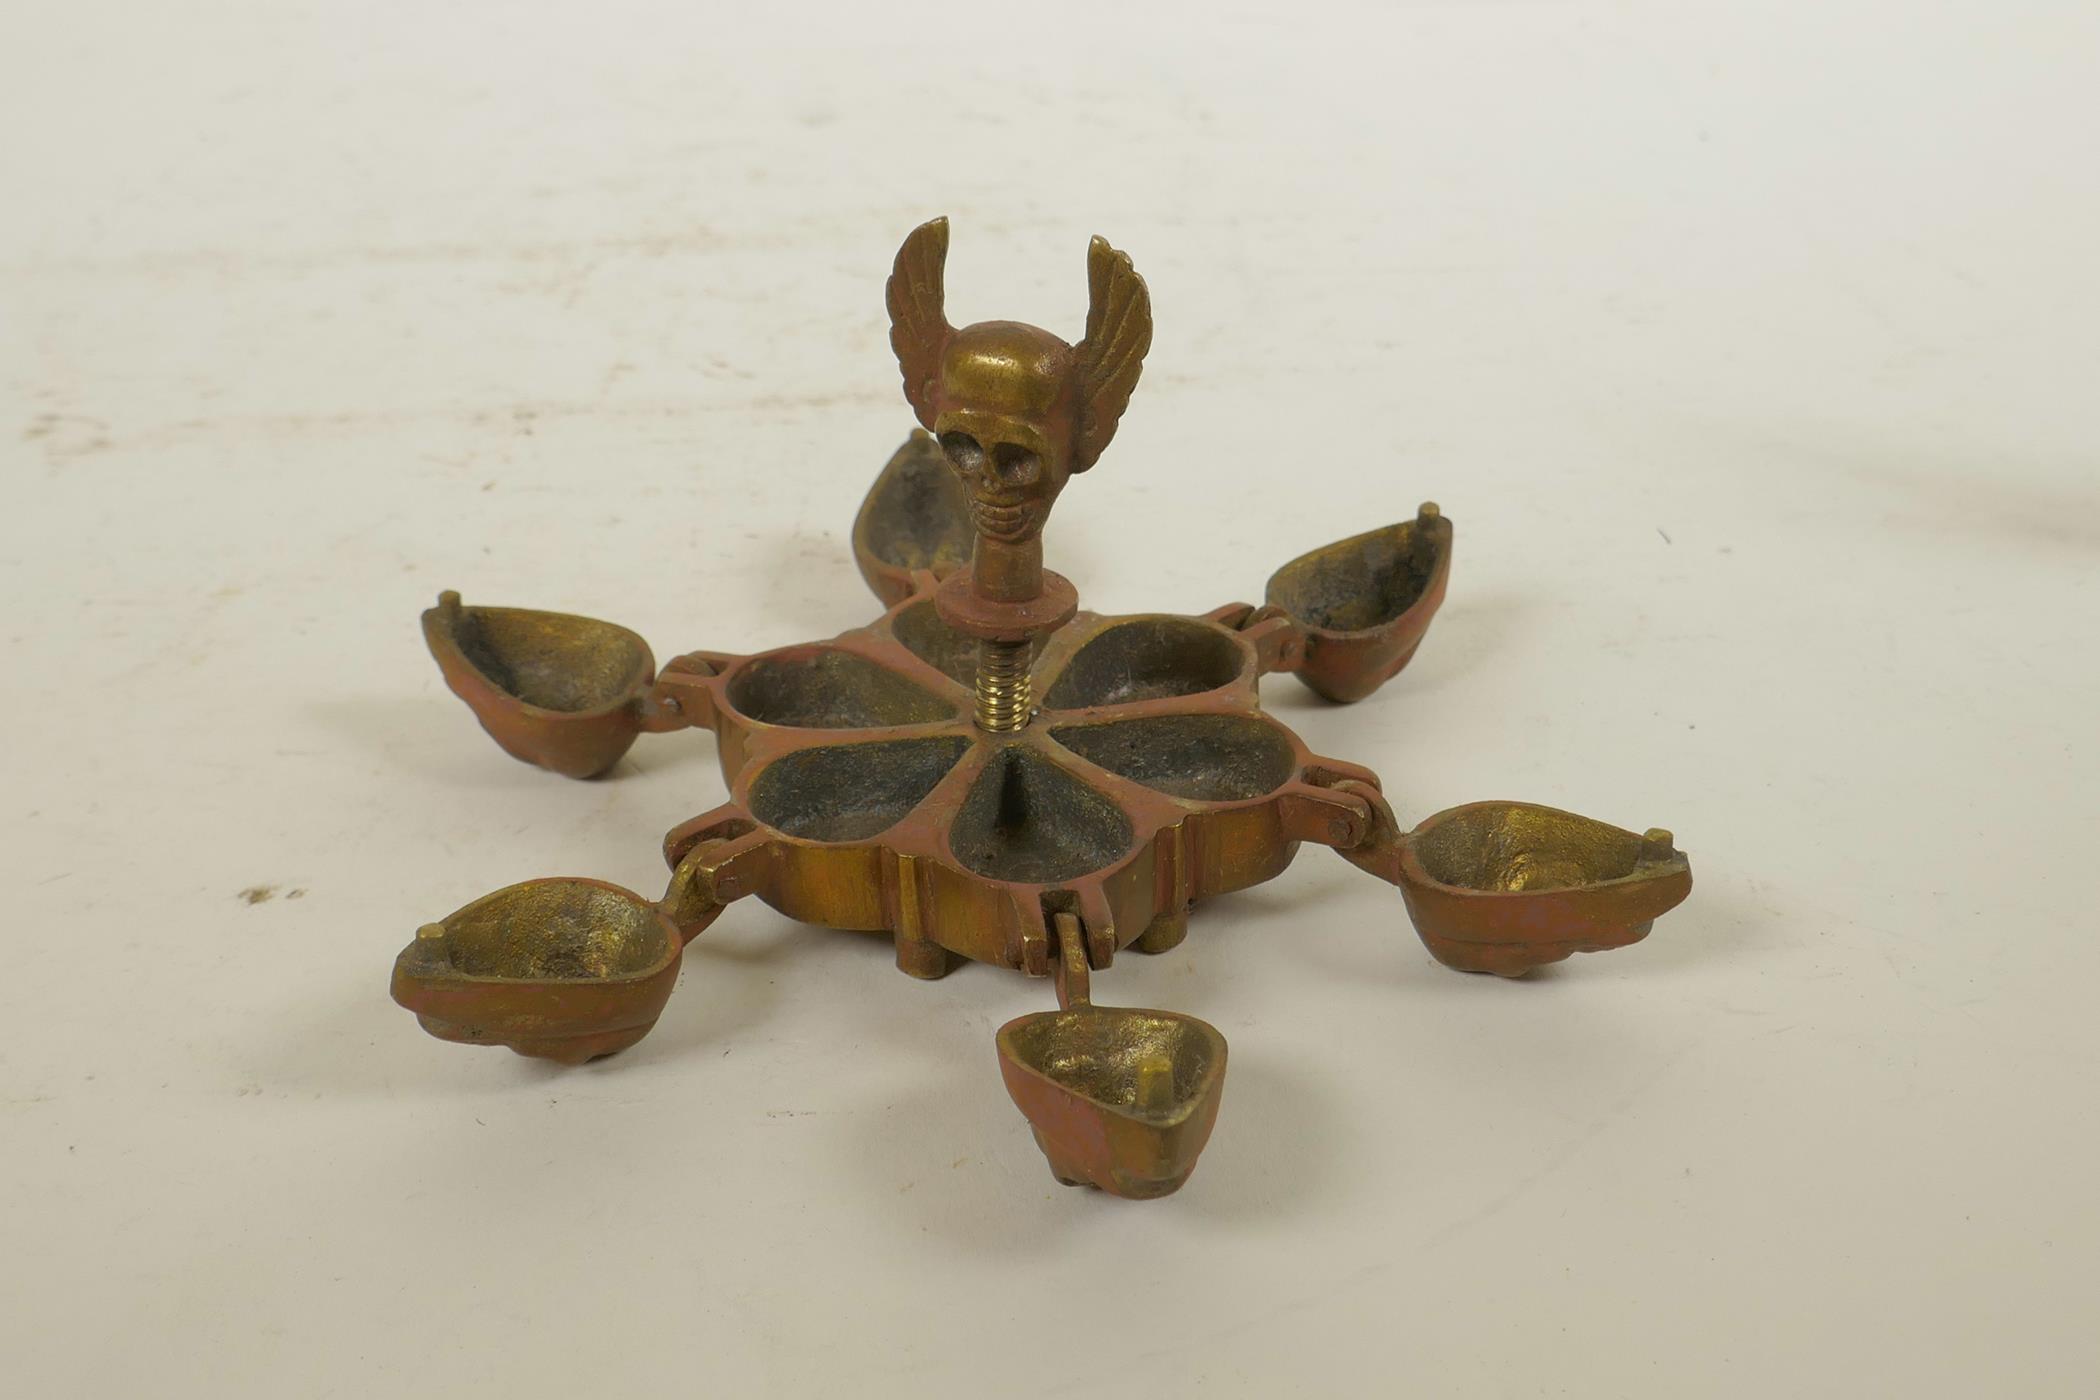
(1752, 349)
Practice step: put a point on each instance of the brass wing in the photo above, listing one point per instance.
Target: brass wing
(919, 328)
(1108, 361)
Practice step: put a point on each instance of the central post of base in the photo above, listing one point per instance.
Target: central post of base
(1007, 600)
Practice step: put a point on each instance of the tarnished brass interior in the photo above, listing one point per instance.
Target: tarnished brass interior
(1028, 821)
(1355, 584)
(1209, 758)
(922, 633)
(558, 929)
(917, 516)
(1146, 658)
(1149, 1065)
(1122, 1098)
(824, 688)
(851, 792)
(555, 661)
(1518, 846)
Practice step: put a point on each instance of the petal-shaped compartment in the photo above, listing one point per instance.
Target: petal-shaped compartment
(1146, 658)
(1123, 1098)
(1207, 758)
(852, 791)
(825, 688)
(1030, 822)
(922, 633)
(915, 517)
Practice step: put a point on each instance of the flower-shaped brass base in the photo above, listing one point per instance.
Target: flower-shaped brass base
(864, 795)
(986, 772)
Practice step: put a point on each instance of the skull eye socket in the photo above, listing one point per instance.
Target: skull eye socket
(963, 450)
(1016, 465)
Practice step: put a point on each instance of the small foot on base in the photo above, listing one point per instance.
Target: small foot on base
(1065, 1174)
(924, 959)
(1164, 933)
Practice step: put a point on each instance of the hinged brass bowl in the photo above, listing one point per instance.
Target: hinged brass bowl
(1121, 1098)
(561, 969)
(1508, 886)
(1366, 602)
(556, 690)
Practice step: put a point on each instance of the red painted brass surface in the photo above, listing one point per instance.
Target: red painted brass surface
(1506, 887)
(561, 691)
(560, 969)
(1365, 603)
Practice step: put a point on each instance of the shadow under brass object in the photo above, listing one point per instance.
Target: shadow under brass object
(989, 772)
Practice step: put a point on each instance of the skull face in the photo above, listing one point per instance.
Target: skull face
(1010, 482)
(1004, 422)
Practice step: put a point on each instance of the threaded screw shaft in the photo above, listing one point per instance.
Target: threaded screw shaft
(1003, 694)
